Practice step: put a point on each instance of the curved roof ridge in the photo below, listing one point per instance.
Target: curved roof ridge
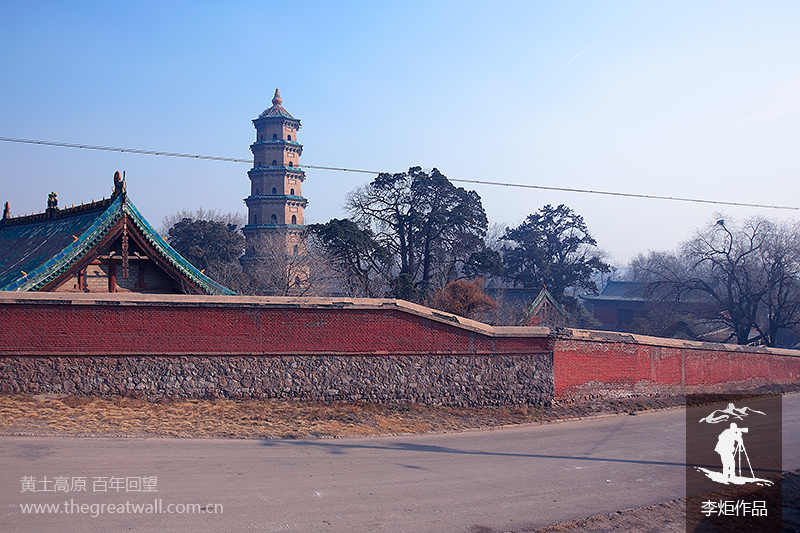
(172, 255)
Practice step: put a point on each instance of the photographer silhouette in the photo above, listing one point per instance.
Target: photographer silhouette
(729, 442)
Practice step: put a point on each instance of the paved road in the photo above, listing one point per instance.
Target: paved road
(468, 482)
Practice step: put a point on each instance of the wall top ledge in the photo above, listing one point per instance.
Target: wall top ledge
(376, 304)
(268, 302)
(586, 335)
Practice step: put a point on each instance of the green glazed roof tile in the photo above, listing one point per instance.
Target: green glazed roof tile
(37, 249)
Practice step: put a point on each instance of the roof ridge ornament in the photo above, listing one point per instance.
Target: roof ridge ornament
(52, 204)
(119, 185)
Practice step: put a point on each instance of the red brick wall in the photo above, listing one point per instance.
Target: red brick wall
(596, 364)
(96, 329)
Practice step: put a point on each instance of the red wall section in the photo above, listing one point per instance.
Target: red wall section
(608, 365)
(88, 329)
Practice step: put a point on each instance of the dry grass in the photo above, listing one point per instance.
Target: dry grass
(277, 419)
(75, 415)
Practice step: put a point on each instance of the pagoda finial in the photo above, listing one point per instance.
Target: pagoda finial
(277, 100)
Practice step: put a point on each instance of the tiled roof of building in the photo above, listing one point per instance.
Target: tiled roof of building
(620, 290)
(277, 110)
(37, 249)
(544, 299)
(33, 243)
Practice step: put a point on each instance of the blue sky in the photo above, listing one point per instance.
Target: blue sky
(689, 99)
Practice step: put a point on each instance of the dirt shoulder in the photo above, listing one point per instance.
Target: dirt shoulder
(88, 416)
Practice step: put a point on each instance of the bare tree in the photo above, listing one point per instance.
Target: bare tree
(725, 266)
(212, 215)
(285, 265)
(741, 275)
(780, 262)
(494, 236)
(361, 265)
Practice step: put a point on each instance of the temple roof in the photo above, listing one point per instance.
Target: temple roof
(277, 110)
(37, 249)
(543, 302)
(620, 291)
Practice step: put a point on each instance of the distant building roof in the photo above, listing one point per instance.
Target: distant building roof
(277, 110)
(38, 251)
(544, 310)
(619, 291)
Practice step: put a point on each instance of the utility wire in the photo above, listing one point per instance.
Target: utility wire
(154, 152)
(627, 194)
(375, 172)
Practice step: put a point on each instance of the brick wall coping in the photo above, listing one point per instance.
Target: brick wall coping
(271, 302)
(630, 338)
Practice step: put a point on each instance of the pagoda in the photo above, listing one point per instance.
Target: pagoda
(276, 204)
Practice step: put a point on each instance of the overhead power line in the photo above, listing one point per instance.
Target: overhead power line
(627, 194)
(156, 152)
(375, 172)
